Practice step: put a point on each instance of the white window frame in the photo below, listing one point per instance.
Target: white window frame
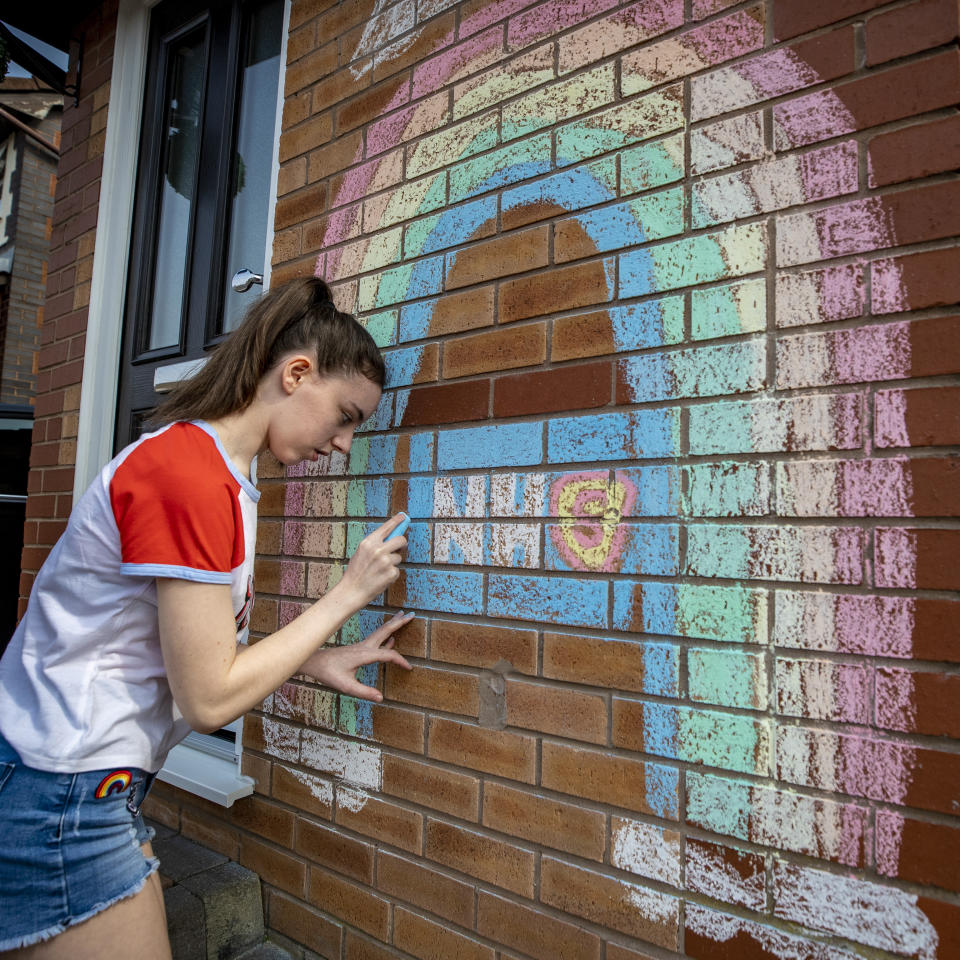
(194, 765)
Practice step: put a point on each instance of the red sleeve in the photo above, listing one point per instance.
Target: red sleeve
(176, 508)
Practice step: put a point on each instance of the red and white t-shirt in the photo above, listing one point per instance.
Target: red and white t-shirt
(82, 682)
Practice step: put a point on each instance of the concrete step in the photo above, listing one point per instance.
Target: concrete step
(214, 906)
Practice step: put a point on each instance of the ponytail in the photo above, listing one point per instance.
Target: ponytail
(297, 316)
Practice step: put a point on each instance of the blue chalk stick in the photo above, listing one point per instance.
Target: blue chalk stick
(400, 529)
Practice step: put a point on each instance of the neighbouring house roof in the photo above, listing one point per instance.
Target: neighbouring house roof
(27, 96)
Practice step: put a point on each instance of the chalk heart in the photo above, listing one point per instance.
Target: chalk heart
(585, 543)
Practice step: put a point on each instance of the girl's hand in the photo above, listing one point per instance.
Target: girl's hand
(374, 565)
(336, 667)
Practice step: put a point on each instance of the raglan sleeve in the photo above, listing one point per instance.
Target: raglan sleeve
(173, 522)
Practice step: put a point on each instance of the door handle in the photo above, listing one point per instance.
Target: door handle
(243, 279)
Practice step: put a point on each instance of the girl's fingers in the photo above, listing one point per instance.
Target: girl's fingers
(394, 527)
(385, 632)
(394, 657)
(362, 691)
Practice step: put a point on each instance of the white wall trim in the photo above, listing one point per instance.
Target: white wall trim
(277, 129)
(101, 362)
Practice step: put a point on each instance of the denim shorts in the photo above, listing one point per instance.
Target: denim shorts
(69, 846)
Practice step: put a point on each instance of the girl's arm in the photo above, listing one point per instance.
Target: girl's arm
(214, 681)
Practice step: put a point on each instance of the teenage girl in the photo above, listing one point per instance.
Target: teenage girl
(131, 635)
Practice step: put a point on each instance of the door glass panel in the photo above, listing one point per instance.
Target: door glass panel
(178, 186)
(252, 161)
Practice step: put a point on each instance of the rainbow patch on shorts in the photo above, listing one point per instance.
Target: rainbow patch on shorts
(115, 782)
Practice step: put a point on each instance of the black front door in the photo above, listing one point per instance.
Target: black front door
(204, 188)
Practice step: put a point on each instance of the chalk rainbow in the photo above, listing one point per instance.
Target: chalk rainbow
(615, 173)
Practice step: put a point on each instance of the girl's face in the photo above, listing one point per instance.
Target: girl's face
(319, 414)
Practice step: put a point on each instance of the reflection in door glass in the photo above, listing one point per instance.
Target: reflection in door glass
(178, 186)
(252, 162)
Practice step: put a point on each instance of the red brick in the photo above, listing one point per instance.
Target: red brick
(447, 403)
(346, 14)
(360, 948)
(918, 26)
(586, 335)
(329, 160)
(275, 867)
(931, 564)
(312, 68)
(501, 257)
(305, 791)
(528, 213)
(609, 902)
(557, 710)
(927, 279)
(935, 636)
(44, 454)
(305, 136)
(916, 701)
(304, 925)
(435, 689)
(304, 10)
(534, 932)
(163, 810)
(466, 310)
(296, 109)
(562, 288)
(302, 205)
(501, 349)
(41, 506)
(600, 775)
(945, 920)
(268, 820)
(58, 306)
(433, 36)
(380, 820)
(617, 952)
(599, 662)
(481, 855)
(431, 786)
(299, 268)
(430, 941)
(725, 873)
(57, 480)
(792, 19)
(334, 849)
(264, 617)
(349, 902)
(423, 886)
(479, 645)
(917, 418)
(500, 752)
(544, 820)
(577, 387)
(897, 93)
(210, 831)
(373, 103)
(918, 851)
(398, 727)
(260, 769)
(300, 42)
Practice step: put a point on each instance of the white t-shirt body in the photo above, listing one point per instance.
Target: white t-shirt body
(82, 683)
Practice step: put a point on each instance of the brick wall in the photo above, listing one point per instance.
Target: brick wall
(667, 292)
(71, 233)
(34, 201)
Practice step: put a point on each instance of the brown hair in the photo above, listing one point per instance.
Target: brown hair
(297, 316)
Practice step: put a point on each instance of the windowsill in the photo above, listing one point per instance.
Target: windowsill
(211, 777)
